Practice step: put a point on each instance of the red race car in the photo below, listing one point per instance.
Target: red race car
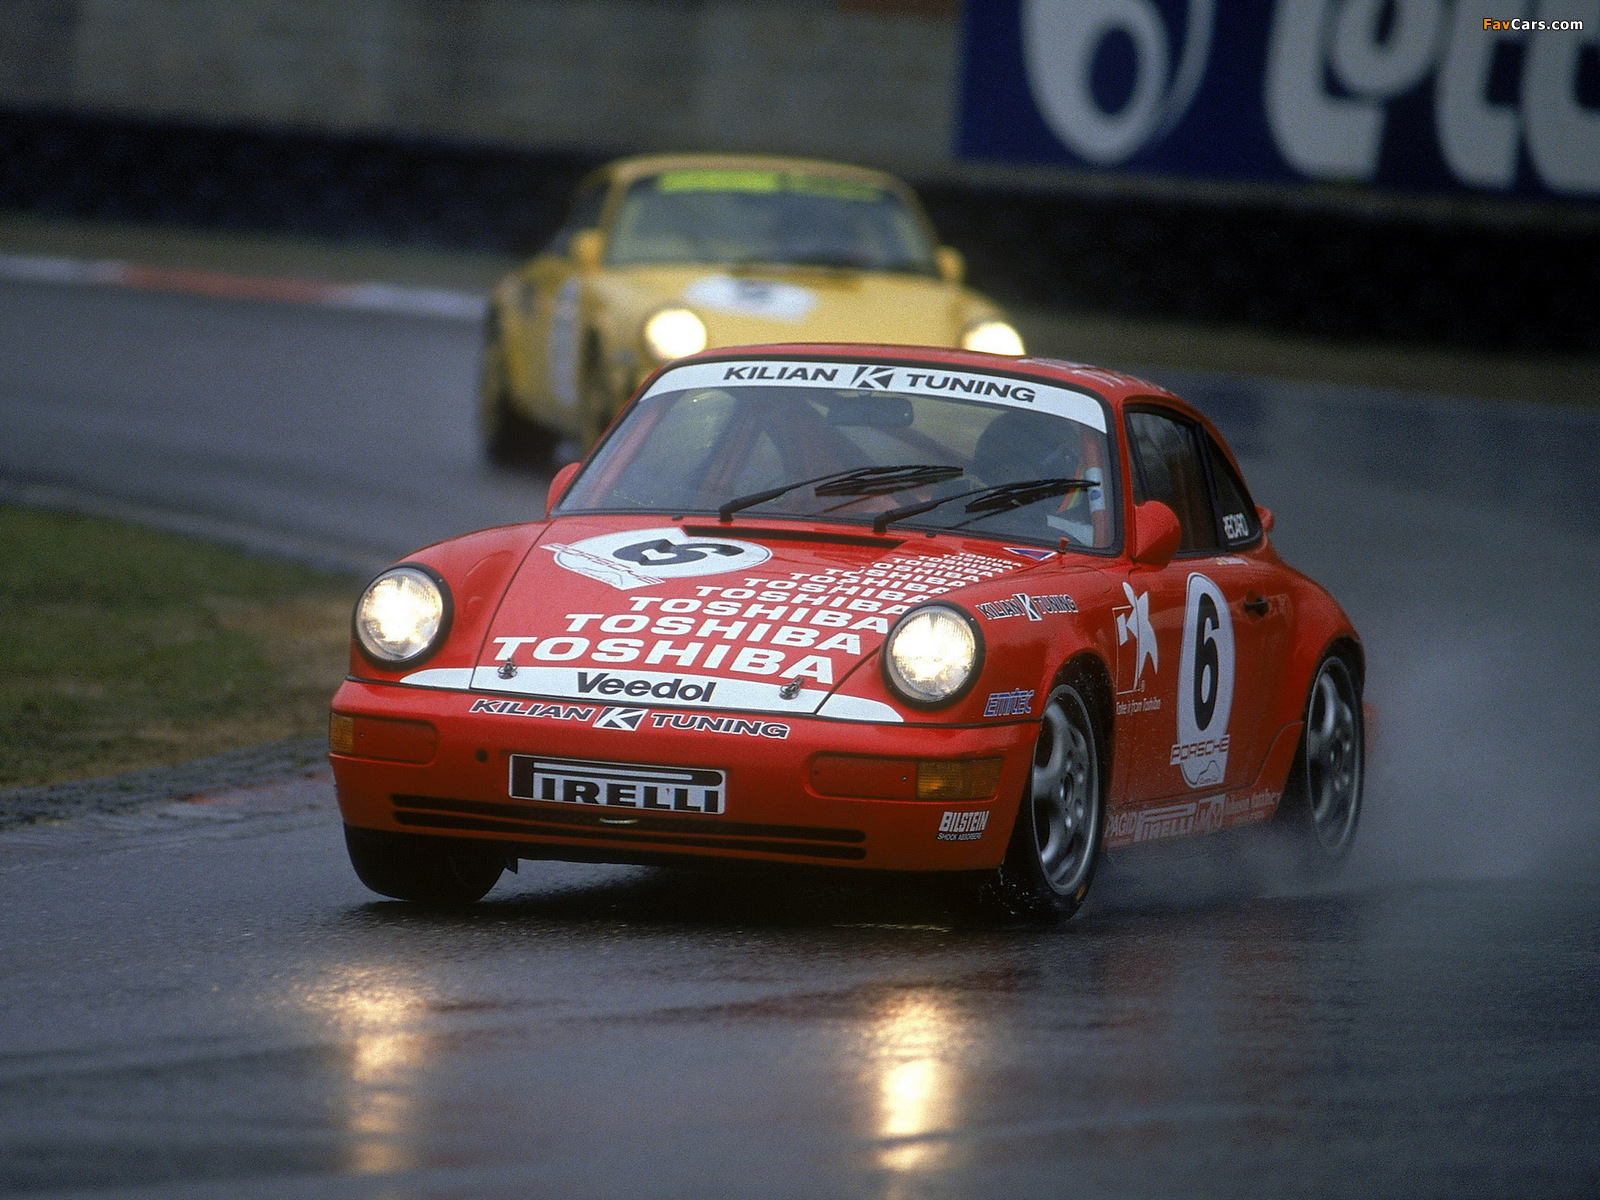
(883, 608)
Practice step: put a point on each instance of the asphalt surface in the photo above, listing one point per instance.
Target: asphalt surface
(198, 999)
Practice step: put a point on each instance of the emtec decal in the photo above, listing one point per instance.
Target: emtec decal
(1009, 704)
(618, 785)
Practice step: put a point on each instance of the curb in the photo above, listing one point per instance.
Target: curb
(391, 298)
(116, 793)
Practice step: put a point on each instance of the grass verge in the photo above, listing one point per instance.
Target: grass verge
(127, 648)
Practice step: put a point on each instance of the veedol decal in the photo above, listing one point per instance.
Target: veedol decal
(618, 785)
(1133, 622)
(642, 557)
(1009, 704)
(962, 826)
(995, 389)
(752, 297)
(1023, 605)
(1205, 685)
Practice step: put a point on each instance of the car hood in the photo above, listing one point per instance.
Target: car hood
(803, 304)
(645, 610)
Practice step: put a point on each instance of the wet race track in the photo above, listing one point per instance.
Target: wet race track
(202, 1001)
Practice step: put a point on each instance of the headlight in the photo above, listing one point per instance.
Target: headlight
(932, 655)
(402, 616)
(992, 337)
(673, 333)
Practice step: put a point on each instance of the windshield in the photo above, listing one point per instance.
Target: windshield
(767, 217)
(781, 439)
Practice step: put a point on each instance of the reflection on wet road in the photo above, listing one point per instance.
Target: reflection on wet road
(202, 1001)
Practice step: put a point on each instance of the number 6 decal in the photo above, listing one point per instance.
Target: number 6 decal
(1205, 685)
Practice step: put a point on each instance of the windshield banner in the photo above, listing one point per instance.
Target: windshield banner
(1422, 95)
(889, 377)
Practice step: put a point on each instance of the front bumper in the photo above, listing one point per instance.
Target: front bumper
(770, 811)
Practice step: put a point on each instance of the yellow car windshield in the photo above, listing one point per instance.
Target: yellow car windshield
(767, 217)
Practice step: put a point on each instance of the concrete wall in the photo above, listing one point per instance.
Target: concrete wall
(869, 80)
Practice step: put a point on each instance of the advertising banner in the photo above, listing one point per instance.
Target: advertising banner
(1473, 96)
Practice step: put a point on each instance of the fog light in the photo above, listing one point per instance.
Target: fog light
(966, 779)
(341, 733)
(382, 738)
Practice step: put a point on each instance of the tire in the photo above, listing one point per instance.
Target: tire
(1322, 798)
(510, 439)
(425, 870)
(594, 399)
(1055, 843)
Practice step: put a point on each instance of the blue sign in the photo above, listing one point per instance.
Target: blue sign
(1484, 96)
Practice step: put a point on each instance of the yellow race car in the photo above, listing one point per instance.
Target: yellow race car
(666, 255)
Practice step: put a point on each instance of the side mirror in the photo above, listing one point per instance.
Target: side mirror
(558, 486)
(1156, 534)
(588, 247)
(1264, 515)
(952, 267)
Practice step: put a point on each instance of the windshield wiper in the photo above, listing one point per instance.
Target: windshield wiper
(986, 502)
(859, 481)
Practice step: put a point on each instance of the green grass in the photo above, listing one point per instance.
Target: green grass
(122, 648)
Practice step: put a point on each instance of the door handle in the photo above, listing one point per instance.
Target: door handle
(1256, 605)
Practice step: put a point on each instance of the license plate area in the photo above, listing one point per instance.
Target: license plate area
(635, 786)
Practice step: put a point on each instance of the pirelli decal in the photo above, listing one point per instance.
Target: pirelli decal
(618, 785)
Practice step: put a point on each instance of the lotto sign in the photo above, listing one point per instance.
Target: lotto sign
(1415, 93)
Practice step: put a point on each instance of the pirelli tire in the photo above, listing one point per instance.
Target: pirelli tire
(438, 872)
(1321, 805)
(1056, 841)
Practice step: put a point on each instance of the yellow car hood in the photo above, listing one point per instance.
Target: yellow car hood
(800, 304)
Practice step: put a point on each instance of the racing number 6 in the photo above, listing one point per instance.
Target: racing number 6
(1206, 663)
(1205, 685)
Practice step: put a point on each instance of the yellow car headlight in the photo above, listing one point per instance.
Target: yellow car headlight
(932, 655)
(674, 332)
(992, 337)
(402, 616)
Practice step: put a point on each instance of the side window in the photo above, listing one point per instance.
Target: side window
(1239, 522)
(584, 214)
(1168, 468)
